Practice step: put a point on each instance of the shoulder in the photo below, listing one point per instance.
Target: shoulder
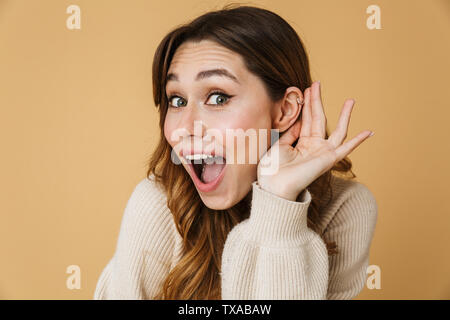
(348, 190)
(144, 249)
(146, 214)
(147, 194)
(350, 200)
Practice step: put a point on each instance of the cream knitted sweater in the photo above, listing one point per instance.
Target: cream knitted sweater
(270, 255)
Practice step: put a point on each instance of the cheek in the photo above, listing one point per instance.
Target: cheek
(253, 149)
(261, 124)
(168, 130)
(244, 121)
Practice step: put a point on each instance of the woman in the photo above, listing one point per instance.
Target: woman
(218, 228)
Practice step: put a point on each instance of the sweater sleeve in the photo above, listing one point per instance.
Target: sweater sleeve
(352, 228)
(144, 249)
(273, 254)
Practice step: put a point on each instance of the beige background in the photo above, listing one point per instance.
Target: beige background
(78, 123)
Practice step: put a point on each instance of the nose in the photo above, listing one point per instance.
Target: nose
(192, 123)
(192, 127)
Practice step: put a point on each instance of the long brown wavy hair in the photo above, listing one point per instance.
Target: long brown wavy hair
(273, 51)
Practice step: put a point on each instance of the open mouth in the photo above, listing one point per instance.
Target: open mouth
(207, 168)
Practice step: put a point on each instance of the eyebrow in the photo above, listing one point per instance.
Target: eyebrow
(206, 74)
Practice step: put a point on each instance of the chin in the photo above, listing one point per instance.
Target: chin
(217, 204)
(222, 201)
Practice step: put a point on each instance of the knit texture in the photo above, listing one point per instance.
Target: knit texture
(270, 255)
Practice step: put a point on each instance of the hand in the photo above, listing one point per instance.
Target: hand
(313, 155)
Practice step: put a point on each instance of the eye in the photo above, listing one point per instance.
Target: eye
(178, 104)
(222, 98)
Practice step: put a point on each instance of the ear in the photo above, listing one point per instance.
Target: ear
(287, 110)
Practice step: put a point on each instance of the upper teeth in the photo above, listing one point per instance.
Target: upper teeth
(198, 156)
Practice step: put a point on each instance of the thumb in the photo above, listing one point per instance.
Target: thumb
(291, 135)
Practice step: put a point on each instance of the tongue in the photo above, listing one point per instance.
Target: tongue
(211, 172)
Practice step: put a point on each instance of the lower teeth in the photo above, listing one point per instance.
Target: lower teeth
(212, 160)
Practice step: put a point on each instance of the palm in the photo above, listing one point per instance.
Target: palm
(313, 154)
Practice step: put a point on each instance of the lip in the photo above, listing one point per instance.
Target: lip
(206, 187)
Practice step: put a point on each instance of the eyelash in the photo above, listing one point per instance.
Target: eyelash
(217, 92)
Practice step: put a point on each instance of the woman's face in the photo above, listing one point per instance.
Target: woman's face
(199, 120)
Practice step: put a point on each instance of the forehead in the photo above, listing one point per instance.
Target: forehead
(191, 57)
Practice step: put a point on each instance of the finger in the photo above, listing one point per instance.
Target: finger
(306, 115)
(340, 133)
(291, 135)
(318, 115)
(345, 149)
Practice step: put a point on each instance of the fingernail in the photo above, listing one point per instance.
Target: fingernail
(371, 133)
